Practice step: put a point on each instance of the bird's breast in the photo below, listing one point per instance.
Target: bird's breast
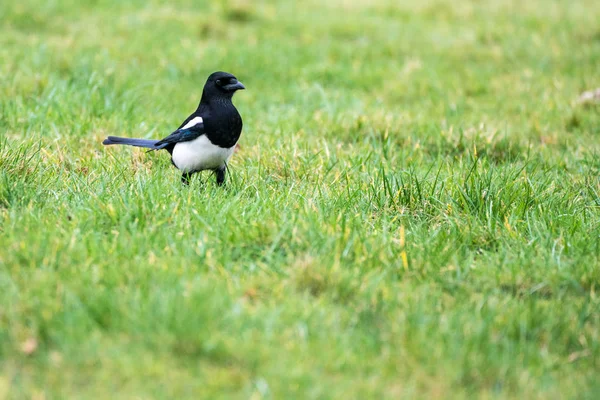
(200, 154)
(223, 124)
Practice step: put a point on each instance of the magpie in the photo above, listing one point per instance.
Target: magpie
(207, 138)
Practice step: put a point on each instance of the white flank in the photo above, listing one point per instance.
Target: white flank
(192, 122)
(200, 154)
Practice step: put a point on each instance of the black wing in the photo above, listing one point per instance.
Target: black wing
(190, 131)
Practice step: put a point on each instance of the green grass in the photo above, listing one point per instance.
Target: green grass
(414, 211)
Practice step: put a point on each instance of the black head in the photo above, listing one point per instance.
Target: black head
(222, 84)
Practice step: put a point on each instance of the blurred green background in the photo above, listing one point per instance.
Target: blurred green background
(413, 213)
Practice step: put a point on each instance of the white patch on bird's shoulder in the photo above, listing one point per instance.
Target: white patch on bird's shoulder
(200, 154)
(192, 122)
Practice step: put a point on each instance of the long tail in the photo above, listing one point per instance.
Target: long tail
(147, 143)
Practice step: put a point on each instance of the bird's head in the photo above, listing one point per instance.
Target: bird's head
(222, 84)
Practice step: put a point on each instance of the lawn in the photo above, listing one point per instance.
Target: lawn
(414, 211)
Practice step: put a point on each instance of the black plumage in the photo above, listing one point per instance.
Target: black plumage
(207, 138)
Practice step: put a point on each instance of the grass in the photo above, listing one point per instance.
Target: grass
(414, 211)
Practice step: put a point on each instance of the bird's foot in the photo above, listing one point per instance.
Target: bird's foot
(185, 178)
(220, 174)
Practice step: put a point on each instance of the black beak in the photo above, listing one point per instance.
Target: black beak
(234, 86)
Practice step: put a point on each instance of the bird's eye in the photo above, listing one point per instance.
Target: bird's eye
(218, 82)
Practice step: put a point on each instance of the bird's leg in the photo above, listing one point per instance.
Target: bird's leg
(185, 178)
(220, 173)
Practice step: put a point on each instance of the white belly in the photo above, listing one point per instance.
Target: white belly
(199, 154)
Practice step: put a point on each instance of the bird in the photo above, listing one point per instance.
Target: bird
(207, 138)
